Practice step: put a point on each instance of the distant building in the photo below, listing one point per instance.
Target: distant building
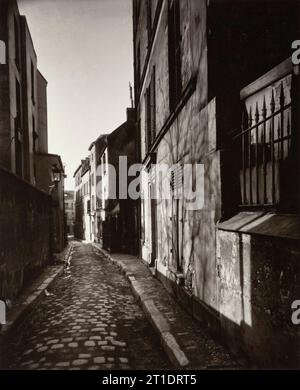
(48, 169)
(83, 223)
(119, 216)
(96, 150)
(50, 178)
(86, 199)
(78, 220)
(69, 211)
(100, 217)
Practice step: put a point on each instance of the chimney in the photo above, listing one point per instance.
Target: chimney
(130, 113)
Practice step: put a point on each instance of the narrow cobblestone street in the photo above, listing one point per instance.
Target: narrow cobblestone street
(90, 320)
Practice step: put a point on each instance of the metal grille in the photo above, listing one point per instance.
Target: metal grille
(265, 141)
(176, 180)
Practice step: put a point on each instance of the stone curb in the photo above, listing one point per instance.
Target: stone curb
(157, 319)
(27, 303)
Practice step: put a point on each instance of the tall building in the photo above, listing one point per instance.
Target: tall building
(83, 223)
(96, 150)
(102, 215)
(12, 149)
(69, 212)
(78, 222)
(118, 210)
(223, 98)
(32, 181)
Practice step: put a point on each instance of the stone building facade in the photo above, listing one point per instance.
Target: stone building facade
(119, 222)
(83, 223)
(28, 213)
(69, 212)
(78, 224)
(214, 85)
(96, 151)
(101, 215)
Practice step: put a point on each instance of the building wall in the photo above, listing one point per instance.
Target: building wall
(258, 277)
(44, 181)
(93, 195)
(28, 211)
(28, 223)
(205, 276)
(188, 140)
(102, 191)
(86, 197)
(78, 223)
(30, 99)
(121, 210)
(9, 74)
(70, 211)
(42, 142)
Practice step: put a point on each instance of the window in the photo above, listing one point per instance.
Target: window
(138, 67)
(174, 41)
(176, 180)
(150, 112)
(149, 21)
(136, 8)
(34, 135)
(18, 132)
(17, 43)
(2, 53)
(32, 83)
(143, 215)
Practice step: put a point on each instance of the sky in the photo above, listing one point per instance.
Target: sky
(84, 50)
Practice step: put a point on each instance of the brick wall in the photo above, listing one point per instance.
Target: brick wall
(24, 233)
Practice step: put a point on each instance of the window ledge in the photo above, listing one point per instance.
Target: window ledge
(285, 226)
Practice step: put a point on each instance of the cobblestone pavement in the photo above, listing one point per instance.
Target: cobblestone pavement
(90, 322)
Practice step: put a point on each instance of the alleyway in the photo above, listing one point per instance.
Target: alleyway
(90, 322)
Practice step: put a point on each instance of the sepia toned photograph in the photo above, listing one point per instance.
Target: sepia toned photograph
(149, 188)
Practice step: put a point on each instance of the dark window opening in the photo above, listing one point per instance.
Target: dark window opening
(259, 30)
(150, 112)
(34, 135)
(18, 132)
(149, 21)
(138, 67)
(137, 6)
(17, 43)
(174, 39)
(32, 83)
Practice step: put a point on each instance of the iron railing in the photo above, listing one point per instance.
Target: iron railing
(264, 142)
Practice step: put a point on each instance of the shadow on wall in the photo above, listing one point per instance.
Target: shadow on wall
(258, 274)
(28, 210)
